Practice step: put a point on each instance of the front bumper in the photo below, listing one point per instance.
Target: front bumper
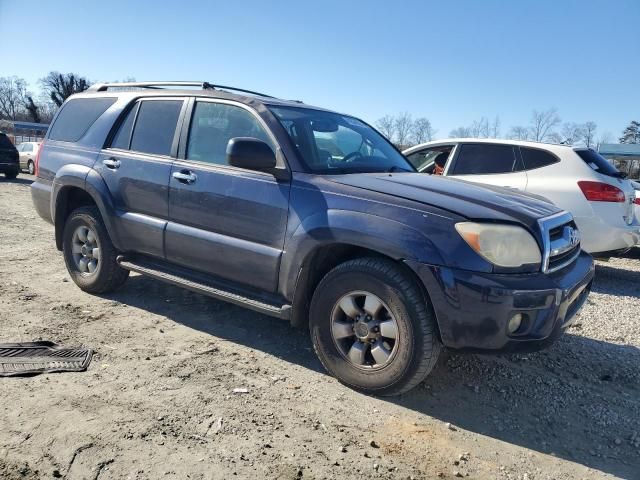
(473, 309)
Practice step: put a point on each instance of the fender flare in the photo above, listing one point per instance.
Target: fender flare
(387, 237)
(88, 180)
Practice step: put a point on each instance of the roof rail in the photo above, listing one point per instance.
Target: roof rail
(103, 87)
(251, 92)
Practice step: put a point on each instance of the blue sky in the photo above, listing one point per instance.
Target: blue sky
(452, 62)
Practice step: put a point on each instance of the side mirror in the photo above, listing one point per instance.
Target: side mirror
(250, 153)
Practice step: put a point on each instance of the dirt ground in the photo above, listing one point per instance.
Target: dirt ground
(158, 399)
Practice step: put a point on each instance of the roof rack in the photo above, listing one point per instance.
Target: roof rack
(103, 87)
(251, 92)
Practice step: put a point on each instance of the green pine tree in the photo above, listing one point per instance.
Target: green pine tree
(631, 134)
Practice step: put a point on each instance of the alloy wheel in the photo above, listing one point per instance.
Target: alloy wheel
(85, 249)
(364, 330)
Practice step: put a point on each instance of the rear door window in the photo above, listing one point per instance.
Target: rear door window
(485, 159)
(77, 116)
(599, 163)
(536, 158)
(155, 126)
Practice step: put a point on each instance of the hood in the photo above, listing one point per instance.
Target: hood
(471, 200)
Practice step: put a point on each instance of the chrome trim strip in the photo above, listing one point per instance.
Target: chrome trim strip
(546, 225)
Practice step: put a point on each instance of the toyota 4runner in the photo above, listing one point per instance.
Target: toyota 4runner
(307, 215)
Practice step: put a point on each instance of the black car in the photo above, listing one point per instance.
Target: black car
(9, 157)
(307, 215)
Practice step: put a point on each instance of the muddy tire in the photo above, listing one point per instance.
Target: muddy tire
(89, 254)
(372, 328)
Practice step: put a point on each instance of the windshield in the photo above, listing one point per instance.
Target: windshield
(599, 163)
(330, 143)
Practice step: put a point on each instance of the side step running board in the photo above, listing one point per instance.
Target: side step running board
(206, 286)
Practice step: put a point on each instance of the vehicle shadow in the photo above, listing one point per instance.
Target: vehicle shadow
(17, 180)
(613, 280)
(634, 253)
(220, 319)
(578, 400)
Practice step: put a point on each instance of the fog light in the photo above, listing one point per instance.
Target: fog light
(514, 323)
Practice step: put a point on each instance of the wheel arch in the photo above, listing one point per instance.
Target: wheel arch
(77, 188)
(328, 238)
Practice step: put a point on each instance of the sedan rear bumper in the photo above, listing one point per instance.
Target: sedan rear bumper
(473, 309)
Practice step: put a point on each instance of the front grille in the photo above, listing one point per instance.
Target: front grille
(561, 241)
(561, 260)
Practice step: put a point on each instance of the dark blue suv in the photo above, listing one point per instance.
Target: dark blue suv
(307, 215)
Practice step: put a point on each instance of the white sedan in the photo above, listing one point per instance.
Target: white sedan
(576, 179)
(28, 152)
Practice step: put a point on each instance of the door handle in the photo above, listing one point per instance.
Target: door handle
(185, 176)
(111, 163)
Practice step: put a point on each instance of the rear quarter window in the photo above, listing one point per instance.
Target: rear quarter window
(77, 116)
(536, 158)
(598, 163)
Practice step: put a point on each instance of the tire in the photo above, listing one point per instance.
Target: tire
(11, 175)
(413, 351)
(107, 275)
(31, 168)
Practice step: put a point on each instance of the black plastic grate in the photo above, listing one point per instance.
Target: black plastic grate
(40, 357)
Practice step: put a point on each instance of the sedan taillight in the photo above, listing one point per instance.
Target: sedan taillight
(601, 192)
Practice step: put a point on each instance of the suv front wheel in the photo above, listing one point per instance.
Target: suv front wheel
(371, 327)
(89, 254)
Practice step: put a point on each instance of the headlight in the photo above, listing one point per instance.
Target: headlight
(503, 245)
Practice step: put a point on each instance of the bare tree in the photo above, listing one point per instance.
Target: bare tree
(543, 123)
(555, 137)
(480, 128)
(604, 137)
(422, 131)
(46, 108)
(403, 124)
(589, 133)
(32, 108)
(519, 133)
(387, 127)
(572, 133)
(460, 132)
(494, 131)
(13, 91)
(60, 86)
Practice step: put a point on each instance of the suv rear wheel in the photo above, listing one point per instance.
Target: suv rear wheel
(371, 327)
(11, 175)
(89, 254)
